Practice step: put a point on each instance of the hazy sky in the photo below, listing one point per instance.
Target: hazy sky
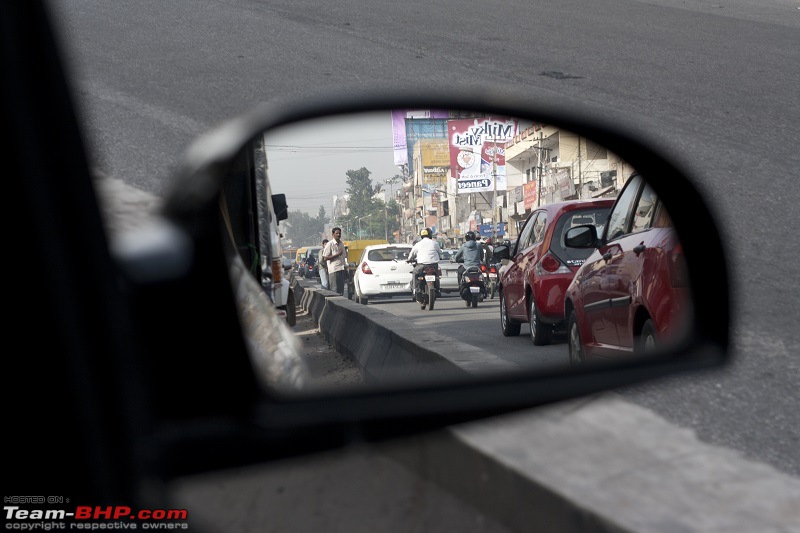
(308, 162)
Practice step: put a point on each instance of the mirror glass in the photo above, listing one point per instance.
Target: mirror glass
(494, 198)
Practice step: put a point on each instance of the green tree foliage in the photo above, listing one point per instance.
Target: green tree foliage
(305, 230)
(368, 217)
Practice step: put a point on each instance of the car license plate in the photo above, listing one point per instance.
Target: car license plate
(394, 285)
(430, 278)
(474, 289)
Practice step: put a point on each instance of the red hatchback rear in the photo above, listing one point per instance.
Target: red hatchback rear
(540, 267)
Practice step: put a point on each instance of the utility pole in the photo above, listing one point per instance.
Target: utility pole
(495, 216)
(541, 168)
(580, 170)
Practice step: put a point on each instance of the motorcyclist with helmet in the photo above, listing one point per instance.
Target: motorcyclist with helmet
(426, 251)
(470, 254)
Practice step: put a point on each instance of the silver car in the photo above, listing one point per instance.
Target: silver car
(448, 282)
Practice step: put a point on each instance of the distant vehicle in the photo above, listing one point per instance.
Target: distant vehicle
(632, 292)
(382, 271)
(448, 282)
(534, 282)
(310, 268)
(300, 258)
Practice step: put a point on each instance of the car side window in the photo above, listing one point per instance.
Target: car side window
(525, 237)
(645, 209)
(620, 218)
(539, 226)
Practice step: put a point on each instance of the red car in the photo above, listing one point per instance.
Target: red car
(534, 281)
(633, 290)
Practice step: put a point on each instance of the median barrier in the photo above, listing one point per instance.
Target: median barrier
(388, 348)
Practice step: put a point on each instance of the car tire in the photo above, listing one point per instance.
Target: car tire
(647, 340)
(363, 300)
(508, 328)
(541, 333)
(577, 354)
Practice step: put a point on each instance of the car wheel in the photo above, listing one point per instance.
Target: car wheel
(576, 353)
(509, 329)
(363, 300)
(541, 333)
(647, 342)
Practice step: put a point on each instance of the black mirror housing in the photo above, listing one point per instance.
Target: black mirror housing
(582, 237)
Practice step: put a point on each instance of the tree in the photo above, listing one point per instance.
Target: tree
(364, 212)
(305, 230)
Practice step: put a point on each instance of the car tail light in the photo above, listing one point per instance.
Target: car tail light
(276, 271)
(365, 268)
(439, 273)
(551, 265)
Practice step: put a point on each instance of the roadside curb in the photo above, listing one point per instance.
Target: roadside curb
(597, 463)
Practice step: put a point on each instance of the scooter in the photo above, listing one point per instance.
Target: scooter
(490, 278)
(427, 279)
(472, 288)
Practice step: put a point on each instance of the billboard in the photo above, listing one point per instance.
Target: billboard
(477, 152)
(402, 132)
(530, 193)
(435, 156)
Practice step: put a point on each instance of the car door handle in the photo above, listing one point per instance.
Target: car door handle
(639, 249)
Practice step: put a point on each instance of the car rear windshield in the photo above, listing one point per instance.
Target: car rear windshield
(577, 256)
(389, 254)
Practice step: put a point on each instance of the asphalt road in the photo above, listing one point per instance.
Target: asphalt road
(713, 83)
(478, 326)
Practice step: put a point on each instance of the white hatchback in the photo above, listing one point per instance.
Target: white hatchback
(383, 271)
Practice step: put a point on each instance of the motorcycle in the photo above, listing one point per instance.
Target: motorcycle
(427, 279)
(472, 288)
(490, 278)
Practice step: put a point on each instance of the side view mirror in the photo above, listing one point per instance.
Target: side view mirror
(406, 381)
(501, 252)
(581, 237)
(280, 206)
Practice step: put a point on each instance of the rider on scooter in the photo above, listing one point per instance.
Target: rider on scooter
(425, 252)
(470, 254)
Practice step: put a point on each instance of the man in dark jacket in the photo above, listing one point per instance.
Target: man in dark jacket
(470, 254)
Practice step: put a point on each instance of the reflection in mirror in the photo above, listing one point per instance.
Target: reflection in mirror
(577, 260)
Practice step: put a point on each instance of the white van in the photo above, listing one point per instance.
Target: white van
(275, 268)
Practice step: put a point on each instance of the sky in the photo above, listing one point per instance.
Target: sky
(308, 161)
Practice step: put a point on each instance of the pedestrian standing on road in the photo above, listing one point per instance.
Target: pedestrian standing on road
(323, 268)
(336, 256)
